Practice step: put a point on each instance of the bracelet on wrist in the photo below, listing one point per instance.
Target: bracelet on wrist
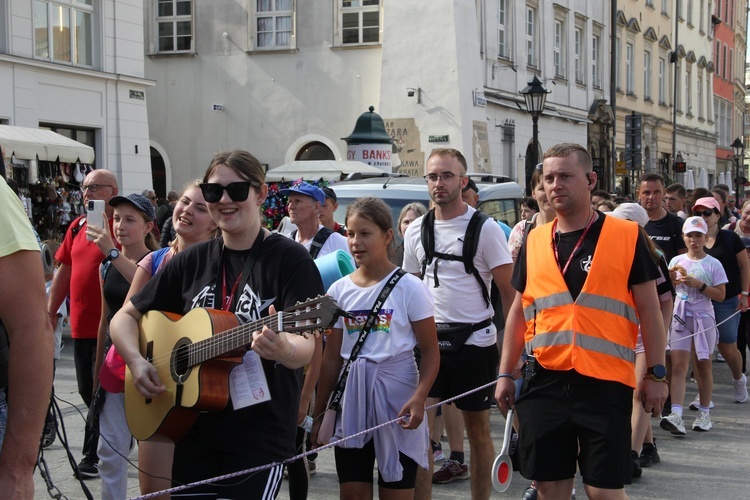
(505, 375)
(653, 377)
(702, 288)
(745, 293)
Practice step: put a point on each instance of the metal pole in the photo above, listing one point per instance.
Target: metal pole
(675, 58)
(613, 93)
(535, 142)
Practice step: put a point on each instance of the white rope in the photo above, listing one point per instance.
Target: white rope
(334, 443)
(707, 329)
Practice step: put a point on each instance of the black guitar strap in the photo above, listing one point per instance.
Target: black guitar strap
(338, 392)
(244, 277)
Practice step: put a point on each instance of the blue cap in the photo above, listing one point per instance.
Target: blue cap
(306, 189)
(138, 201)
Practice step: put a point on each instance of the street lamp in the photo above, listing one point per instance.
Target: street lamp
(738, 148)
(535, 95)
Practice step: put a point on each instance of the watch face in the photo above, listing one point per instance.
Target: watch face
(114, 253)
(658, 371)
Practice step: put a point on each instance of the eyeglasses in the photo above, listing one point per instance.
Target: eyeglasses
(151, 197)
(237, 191)
(704, 213)
(94, 187)
(445, 177)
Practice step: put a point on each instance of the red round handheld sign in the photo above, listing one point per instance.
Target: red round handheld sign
(502, 469)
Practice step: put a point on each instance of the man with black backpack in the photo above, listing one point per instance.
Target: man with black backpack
(458, 255)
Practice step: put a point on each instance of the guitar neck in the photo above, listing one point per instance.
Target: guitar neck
(229, 340)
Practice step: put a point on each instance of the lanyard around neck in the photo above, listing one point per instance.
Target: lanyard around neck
(563, 270)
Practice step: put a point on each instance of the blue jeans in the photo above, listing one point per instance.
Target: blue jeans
(722, 310)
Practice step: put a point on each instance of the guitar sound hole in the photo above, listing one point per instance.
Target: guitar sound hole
(181, 361)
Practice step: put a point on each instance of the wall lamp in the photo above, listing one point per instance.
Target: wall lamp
(411, 91)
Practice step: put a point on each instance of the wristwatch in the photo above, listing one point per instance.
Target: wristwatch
(657, 373)
(112, 255)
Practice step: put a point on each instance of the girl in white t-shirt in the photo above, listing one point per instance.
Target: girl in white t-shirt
(384, 381)
(699, 279)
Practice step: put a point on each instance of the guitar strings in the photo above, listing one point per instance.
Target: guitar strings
(210, 344)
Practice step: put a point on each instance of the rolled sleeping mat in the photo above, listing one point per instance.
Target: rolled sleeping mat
(334, 266)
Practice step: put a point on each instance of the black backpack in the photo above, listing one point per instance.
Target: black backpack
(471, 243)
(317, 243)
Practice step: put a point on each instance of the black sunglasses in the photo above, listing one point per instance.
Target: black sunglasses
(705, 213)
(237, 191)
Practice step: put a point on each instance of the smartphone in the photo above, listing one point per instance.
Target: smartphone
(95, 214)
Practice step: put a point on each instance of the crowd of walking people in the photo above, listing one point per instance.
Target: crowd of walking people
(588, 314)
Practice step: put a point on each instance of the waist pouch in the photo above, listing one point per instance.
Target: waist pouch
(452, 336)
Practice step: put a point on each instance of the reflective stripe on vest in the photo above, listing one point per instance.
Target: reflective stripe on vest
(595, 334)
(583, 341)
(584, 299)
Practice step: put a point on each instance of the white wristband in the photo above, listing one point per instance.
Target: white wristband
(745, 293)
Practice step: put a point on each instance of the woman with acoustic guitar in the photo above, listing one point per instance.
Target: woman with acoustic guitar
(248, 273)
(193, 224)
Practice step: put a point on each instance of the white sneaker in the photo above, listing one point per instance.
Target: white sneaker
(702, 422)
(695, 404)
(674, 424)
(740, 389)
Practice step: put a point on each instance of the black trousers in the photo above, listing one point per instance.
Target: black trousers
(84, 357)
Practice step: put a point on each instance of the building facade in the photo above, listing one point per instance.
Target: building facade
(76, 67)
(288, 79)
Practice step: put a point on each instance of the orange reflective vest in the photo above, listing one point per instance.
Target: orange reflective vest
(596, 334)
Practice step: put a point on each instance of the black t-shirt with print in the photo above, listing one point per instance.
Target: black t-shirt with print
(666, 233)
(643, 268)
(283, 274)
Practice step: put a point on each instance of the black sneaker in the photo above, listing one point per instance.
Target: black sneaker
(649, 455)
(87, 469)
(637, 470)
(530, 493)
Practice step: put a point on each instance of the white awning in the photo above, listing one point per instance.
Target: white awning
(329, 170)
(32, 143)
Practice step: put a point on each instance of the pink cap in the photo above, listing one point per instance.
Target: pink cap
(708, 202)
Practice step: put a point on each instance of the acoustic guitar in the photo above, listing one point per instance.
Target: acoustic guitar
(186, 350)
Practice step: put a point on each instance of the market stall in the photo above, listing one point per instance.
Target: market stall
(48, 169)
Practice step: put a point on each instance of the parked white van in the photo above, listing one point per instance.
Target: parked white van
(498, 195)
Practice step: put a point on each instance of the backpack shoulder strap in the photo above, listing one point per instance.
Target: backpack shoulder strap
(156, 259)
(427, 236)
(320, 238)
(471, 244)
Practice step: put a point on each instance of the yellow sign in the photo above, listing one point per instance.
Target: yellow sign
(620, 168)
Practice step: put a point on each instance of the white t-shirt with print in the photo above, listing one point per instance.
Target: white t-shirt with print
(459, 298)
(392, 332)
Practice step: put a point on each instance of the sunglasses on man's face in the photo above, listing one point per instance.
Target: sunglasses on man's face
(705, 213)
(237, 191)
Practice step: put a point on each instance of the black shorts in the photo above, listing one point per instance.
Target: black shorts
(354, 465)
(564, 410)
(193, 462)
(464, 370)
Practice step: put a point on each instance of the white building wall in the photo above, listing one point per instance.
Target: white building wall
(98, 98)
(271, 99)
(695, 137)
